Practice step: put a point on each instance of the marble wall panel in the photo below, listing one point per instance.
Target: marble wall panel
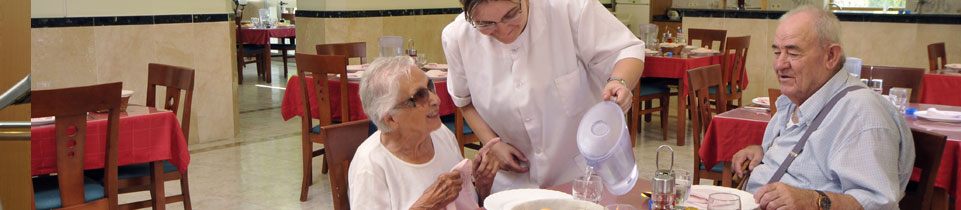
(215, 88)
(424, 29)
(62, 57)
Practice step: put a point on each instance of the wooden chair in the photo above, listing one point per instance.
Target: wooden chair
(928, 148)
(700, 80)
(285, 44)
(646, 94)
(891, 76)
(733, 71)
(70, 189)
(350, 50)
(936, 53)
(773, 94)
(258, 52)
(136, 178)
(345, 138)
(288, 16)
(707, 37)
(464, 134)
(319, 66)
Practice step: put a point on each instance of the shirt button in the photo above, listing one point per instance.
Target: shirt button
(527, 120)
(518, 84)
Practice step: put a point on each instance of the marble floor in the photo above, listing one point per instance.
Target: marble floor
(260, 168)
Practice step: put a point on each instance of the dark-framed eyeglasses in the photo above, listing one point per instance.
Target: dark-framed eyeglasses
(422, 96)
(511, 15)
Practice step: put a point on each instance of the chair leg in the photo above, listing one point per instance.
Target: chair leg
(647, 105)
(158, 198)
(308, 155)
(324, 168)
(665, 110)
(185, 191)
(240, 69)
(283, 55)
(681, 116)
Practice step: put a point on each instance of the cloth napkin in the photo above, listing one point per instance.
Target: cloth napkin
(943, 114)
(466, 198)
(698, 198)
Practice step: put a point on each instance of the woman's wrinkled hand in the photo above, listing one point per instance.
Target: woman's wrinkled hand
(443, 191)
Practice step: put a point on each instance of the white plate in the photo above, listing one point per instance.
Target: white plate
(436, 74)
(356, 68)
(956, 66)
(557, 204)
(436, 66)
(42, 120)
(762, 101)
(747, 199)
(503, 200)
(924, 114)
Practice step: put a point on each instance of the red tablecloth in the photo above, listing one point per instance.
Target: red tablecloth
(292, 104)
(263, 35)
(146, 135)
(675, 67)
(941, 89)
(731, 131)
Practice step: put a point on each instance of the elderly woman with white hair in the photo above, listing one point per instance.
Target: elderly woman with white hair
(409, 163)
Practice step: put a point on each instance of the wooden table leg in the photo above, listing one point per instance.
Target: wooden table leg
(681, 117)
(157, 185)
(267, 68)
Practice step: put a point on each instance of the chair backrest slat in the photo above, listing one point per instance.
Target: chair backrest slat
(707, 37)
(319, 66)
(350, 50)
(348, 137)
(175, 79)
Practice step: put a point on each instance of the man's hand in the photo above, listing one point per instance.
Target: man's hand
(753, 153)
(781, 196)
(620, 93)
(443, 191)
(508, 157)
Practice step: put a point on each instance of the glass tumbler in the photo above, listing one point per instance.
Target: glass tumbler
(588, 188)
(682, 186)
(898, 96)
(876, 85)
(723, 201)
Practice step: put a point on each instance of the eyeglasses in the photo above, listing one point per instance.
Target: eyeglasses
(420, 97)
(511, 15)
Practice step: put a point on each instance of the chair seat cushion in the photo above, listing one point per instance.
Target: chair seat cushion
(713, 90)
(449, 121)
(143, 169)
(647, 90)
(283, 46)
(47, 191)
(316, 128)
(717, 168)
(248, 48)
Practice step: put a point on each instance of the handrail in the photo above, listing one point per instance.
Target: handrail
(18, 94)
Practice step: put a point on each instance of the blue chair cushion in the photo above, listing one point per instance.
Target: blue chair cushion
(143, 169)
(717, 168)
(252, 48)
(647, 90)
(713, 90)
(449, 121)
(47, 191)
(316, 128)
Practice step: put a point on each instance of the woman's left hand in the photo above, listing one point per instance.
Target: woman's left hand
(620, 94)
(485, 168)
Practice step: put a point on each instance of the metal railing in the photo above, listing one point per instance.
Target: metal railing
(18, 94)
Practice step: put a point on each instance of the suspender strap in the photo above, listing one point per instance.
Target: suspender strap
(813, 127)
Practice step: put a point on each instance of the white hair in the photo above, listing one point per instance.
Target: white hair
(379, 87)
(826, 26)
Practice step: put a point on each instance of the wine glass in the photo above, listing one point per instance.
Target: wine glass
(682, 186)
(723, 201)
(588, 188)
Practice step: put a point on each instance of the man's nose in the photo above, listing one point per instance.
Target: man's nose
(781, 61)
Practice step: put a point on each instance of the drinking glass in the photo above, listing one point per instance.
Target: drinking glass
(876, 85)
(588, 188)
(256, 22)
(421, 59)
(620, 207)
(682, 186)
(723, 201)
(898, 96)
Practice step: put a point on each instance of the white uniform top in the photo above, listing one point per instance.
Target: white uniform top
(380, 180)
(533, 92)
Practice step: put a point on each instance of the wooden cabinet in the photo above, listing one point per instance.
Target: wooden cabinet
(671, 26)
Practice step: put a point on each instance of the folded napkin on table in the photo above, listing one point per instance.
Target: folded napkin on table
(945, 114)
(698, 198)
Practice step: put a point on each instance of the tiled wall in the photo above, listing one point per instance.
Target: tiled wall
(424, 29)
(78, 56)
(889, 44)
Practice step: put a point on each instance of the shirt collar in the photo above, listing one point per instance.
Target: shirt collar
(814, 104)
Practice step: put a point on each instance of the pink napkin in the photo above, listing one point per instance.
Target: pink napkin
(698, 198)
(465, 199)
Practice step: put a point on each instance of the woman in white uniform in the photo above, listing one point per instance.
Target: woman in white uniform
(526, 71)
(408, 162)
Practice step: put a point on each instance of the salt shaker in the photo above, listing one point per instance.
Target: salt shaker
(662, 196)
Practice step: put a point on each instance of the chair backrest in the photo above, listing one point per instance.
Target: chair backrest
(928, 148)
(70, 107)
(891, 76)
(175, 79)
(707, 37)
(699, 100)
(237, 39)
(773, 94)
(936, 53)
(349, 50)
(319, 66)
(733, 62)
(344, 140)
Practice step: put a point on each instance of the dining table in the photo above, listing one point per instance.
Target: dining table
(941, 88)
(733, 130)
(292, 103)
(634, 197)
(262, 35)
(675, 68)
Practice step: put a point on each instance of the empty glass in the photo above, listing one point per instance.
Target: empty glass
(619, 207)
(899, 96)
(588, 188)
(876, 85)
(682, 186)
(723, 201)
(421, 60)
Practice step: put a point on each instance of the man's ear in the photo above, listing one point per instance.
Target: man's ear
(834, 52)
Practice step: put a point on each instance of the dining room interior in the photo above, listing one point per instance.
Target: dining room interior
(214, 87)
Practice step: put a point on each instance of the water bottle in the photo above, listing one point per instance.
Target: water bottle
(681, 38)
(662, 196)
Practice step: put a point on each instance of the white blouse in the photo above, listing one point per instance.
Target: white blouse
(380, 180)
(533, 92)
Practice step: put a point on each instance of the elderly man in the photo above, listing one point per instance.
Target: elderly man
(860, 156)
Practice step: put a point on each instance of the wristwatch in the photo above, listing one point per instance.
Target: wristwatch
(824, 203)
(623, 82)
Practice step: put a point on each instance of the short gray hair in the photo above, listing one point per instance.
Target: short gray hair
(379, 87)
(826, 26)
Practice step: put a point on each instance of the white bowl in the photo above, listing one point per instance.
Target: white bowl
(557, 204)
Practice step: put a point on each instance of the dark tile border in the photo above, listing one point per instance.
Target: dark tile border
(850, 17)
(125, 20)
(376, 13)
